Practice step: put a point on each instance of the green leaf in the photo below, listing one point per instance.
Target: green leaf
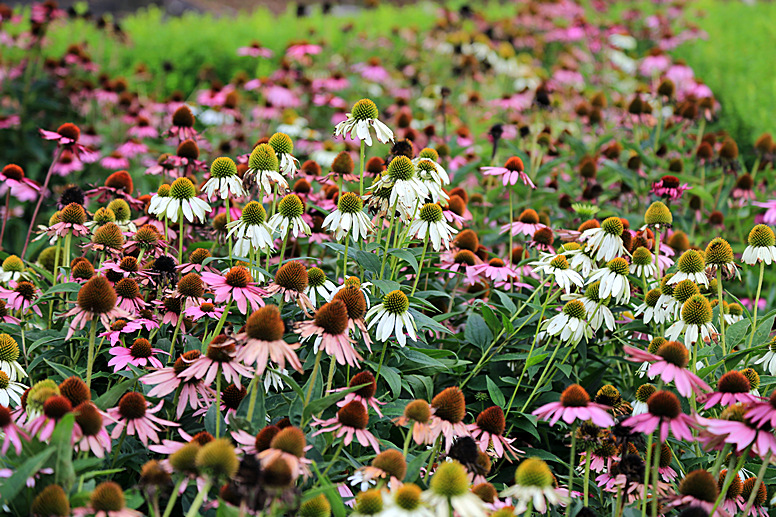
(11, 487)
(507, 302)
(763, 330)
(69, 287)
(414, 466)
(62, 370)
(332, 494)
(477, 331)
(370, 261)
(393, 379)
(736, 332)
(423, 322)
(407, 256)
(386, 286)
(64, 473)
(213, 414)
(417, 355)
(535, 359)
(318, 405)
(495, 393)
(110, 397)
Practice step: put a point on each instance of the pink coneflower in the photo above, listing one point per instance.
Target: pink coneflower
(115, 161)
(237, 286)
(183, 124)
(134, 415)
(67, 164)
(350, 422)
(419, 413)
(669, 187)
(372, 71)
(107, 500)
(147, 239)
(255, 444)
(763, 413)
(290, 445)
(495, 270)
(330, 326)
(21, 297)
(575, 405)
(364, 395)
(255, 50)
(196, 258)
(220, 356)
(127, 267)
(96, 299)
(193, 393)
(143, 128)
(140, 354)
(4, 316)
(71, 222)
(769, 217)
(512, 171)
(128, 296)
(732, 387)
(665, 412)
(488, 432)
(22, 188)
(670, 363)
(463, 261)
(190, 291)
(12, 435)
(68, 135)
(89, 431)
(352, 295)
(448, 410)
(302, 49)
(291, 281)
(734, 427)
(262, 341)
(117, 330)
(54, 409)
(697, 489)
(527, 224)
(204, 310)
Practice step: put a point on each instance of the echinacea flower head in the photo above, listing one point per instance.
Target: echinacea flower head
(263, 168)
(250, 230)
(512, 171)
(369, 502)
(430, 224)
(695, 322)
(96, 299)
(643, 263)
(363, 117)
(393, 318)
(448, 411)
(606, 241)
(761, 246)
(570, 324)
(51, 501)
(534, 484)
(288, 218)
(330, 328)
(449, 492)
(643, 393)
(575, 405)
(697, 490)
(349, 218)
(108, 500)
(284, 146)
(669, 362)
(12, 435)
(90, 433)
(733, 387)
(759, 505)
(9, 355)
(262, 341)
(183, 200)
(291, 281)
(224, 180)
(134, 416)
(664, 412)
(317, 506)
(691, 265)
(488, 432)
(12, 269)
(669, 187)
(418, 414)
(217, 459)
(658, 216)
(351, 422)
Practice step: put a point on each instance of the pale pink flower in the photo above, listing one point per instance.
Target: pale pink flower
(134, 416)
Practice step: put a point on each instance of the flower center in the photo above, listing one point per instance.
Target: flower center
(574, 396)
(613, 226)
(73, 214)
(182, 188)
(407, 497)
(238, 277)
(396, 302)
(88, 418)
(140, 349)
(685, 290)
(70, 131)
(233, 395)
(719, 252)
(642, 256)
(465, 257)
(220, 353)
(120, 209)
(450, 480)
(253, 213)
(664, 404)
(187, 149)
(127, 288)
(365, 109)
(292, 275)
(450, 405)
(75, 390)
(514, 164)
(701, 485)
(265, 324)
(332, 317)
(618, 266)
(658, 214)
(132, 406)
(223, 167)
(644, 392)
(492, 420)
(575, 309)
(675, 353)
(467, 240)
(291, 206)
(183, 117)
(353, 414)
(25, 289)
(12, 263)
(13, 171)
(418, 410)
(290, 440)
(56, 407)
(107, 497)
(9, 348)
(696, 310)
(265, 436)
(263, 158)
(761, 236)
(533, 472)
(733, 382)
(691, 261)
(431, 213)
(350, 203)
(97, 296)
(544, 236)
(109, 235)
(529, 216)
(343, 163)
(401, 168)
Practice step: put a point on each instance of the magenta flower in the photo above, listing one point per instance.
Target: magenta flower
(669, 187)
(350, 422)
(193, 393)
(68, 135)
(12, 435)
(742, 434)
(54, 409)
(134, 415)
(21, 297)
(236, 286)
(220, 356)
(488, 432)
(512, 171)
(575, 405)
(205, 310)
(364, 395)
(732, 387)
(22, 188)
(670, 363)
(330, 328)
(665, 412)
(263, 341)
(255, 50)
(763, 414)
(89, 432)
(140, 354)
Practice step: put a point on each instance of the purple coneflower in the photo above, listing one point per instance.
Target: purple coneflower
(575, 405)
(134, 415)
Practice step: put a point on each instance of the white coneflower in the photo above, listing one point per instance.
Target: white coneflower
(559, 269)
(570, 324)
(643, 264)
(682, 292)
(9, 355)
(363, 116)
(250, 230)
(649, 308)
(430, 155)
(596, 306)
(263, 167)
(12, 270)
(719, 256)
(761, 246)
(769, 359)
(534, 487)
(429, 176)
(642, 395)
(349, 218)
(224, 180)
(289, 217)
(605, 241)
(579, 259)
(284, 146)
(691, 265)
(449, 492)
(182, 199)
(695, 322)
(431, 223)
(318, 285)
(403, 181)
(392, 318)
(158, 205)
(614, 280)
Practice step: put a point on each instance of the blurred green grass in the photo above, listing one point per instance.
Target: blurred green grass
(737, 62)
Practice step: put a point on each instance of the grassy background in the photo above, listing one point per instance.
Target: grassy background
(737, 62)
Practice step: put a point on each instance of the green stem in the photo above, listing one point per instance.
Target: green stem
(720, 457)
(388, 239)
(731, 473)
(90, 357)
(228, 239)
(313, 376)
(407, 440)
(657, 252)
(334, 458)
(218, 403)
(655, 473)
(647, 463)
(380, 364)
(194, 508)
(221, 321)
(721, 311)
(572, 463)
(345, 258)
(757, 302)
(283, 248)
(180, 235)
(420, 265)
(757, 483)
(253, 387)
(332, 370)
(362, 165)
(175, 337)
(587, 475)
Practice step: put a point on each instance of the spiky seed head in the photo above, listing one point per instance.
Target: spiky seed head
(396, 302)
(291, 440)
(658, 214)
(533, 472)
(696, 310)
(223, 167)
(450, 480)
(613, 226)
(574, 396)
(52, 501)
(107, 497)
(97, 296)
(281, 143)
(644, 392)
(575, 309)
(343, 163)
(292, 275)
(431, 213)
(291, 206)
(350, 203)
(263, 158)
(761, 236)
(664, 404)
(643, 257)
(392, 462)
(401, 168)
(364, 109)
(218, 459)
(318, 506)
(418, 410)
(701, 485)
